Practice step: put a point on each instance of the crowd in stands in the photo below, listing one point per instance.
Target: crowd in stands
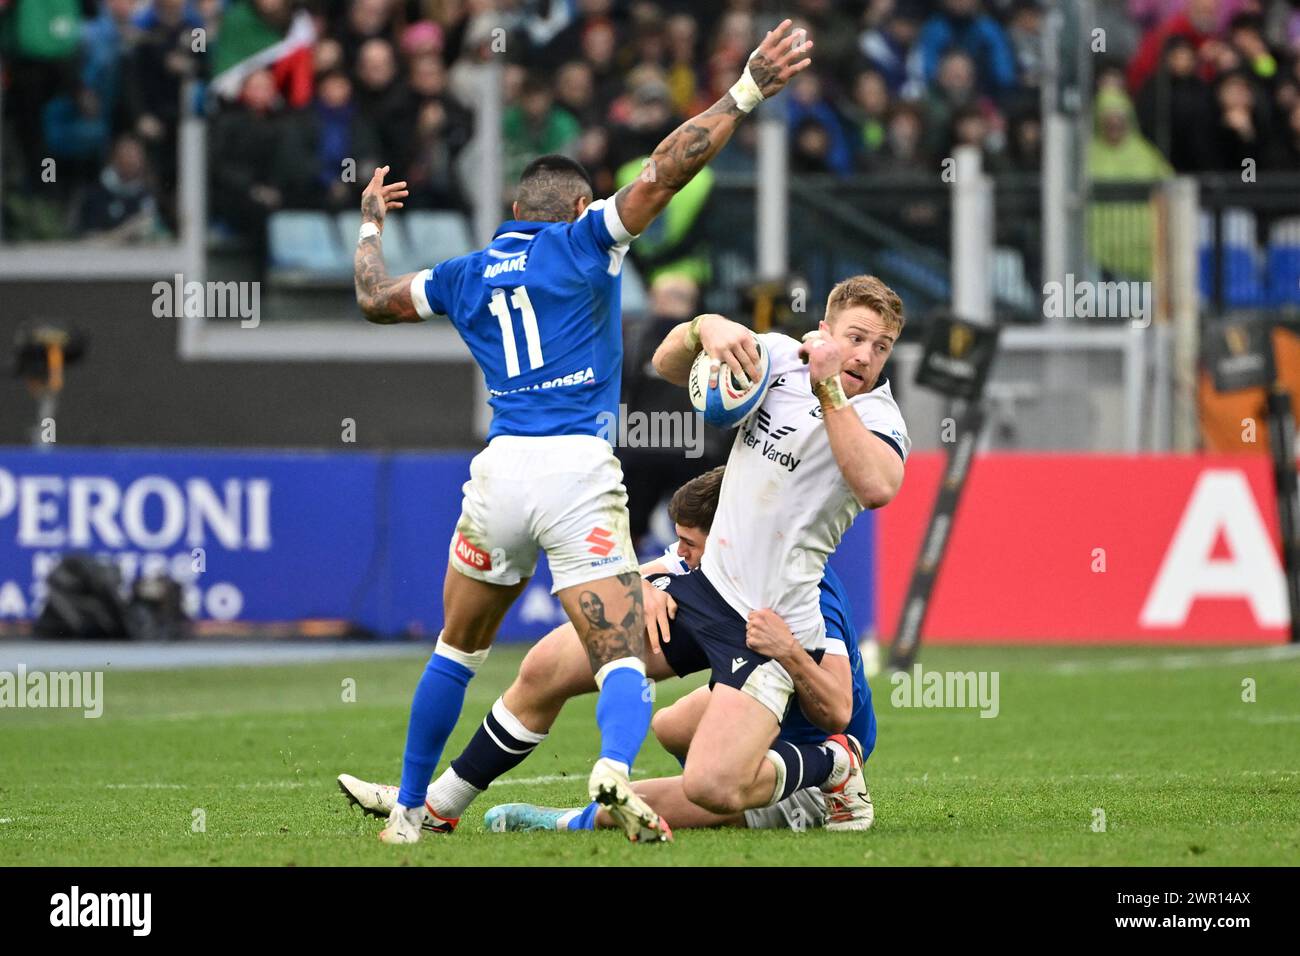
(295, 89)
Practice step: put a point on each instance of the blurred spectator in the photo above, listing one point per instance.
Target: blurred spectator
(640, 119)
(1283, 24)
(76, 133)
(811, 146)
(1025, 32)
(598, 46)
(826, 144)
(971, 127)
(890, 48)
(247, 165)
(681, 38)
(676, 242)
(1198, 23)
(832, 33)
(1118, 150)
(1246, 36)
(383, 99)
(593, 152)
(1286, 149)
(575, 91)
(569, 42)
(1151, 13)
(366, 20)
(1244, 130)
(534, 126)
(904, 150)
(1174, 109)
(121, 207)
(868, 113)
(39, 41)
(442, 129)
(1119, 233)
(954, 90)
(162, 58)
(961, 24)
(327, 55)
(105, 41)
(318, 140)
(422, 39)
(1025, 144)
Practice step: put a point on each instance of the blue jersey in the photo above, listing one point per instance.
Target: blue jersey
(540, 309)
(797, 728)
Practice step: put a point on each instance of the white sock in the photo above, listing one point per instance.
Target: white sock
(843, 764)
(450, 796)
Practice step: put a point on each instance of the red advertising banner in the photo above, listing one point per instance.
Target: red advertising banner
(1094, 548)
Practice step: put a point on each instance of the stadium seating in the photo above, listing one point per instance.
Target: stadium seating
(304, 247)
(1284, 262)
(433, 237)
(1241, 262)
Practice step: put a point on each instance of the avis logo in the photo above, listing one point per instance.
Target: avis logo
(472, 555)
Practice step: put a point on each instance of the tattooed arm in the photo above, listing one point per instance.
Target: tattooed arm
(689, 148)
(825, 690)
(382, 298)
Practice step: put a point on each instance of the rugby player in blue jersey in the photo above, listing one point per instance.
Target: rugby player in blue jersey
(539, 309)
(832, 697)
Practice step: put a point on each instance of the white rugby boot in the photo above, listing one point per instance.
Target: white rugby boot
(610, 787)
(376, 799)
(848, 803)
(404, 825)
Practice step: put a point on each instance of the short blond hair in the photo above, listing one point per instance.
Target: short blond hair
(869, 292)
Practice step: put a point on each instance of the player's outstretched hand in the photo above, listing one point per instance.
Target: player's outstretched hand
(766, 633)
(377, 198)
(821, 353)
(660, 608)
(780, 56)
(732, 343)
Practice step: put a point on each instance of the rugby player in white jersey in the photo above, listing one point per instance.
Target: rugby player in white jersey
(827, 442)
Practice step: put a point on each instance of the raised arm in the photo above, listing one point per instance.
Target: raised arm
(689, 148)
(383, 299)
(825, 690)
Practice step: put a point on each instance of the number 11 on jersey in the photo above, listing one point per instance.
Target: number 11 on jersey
(532, 337)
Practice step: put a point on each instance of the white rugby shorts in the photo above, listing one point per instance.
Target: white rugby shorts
(562, 494)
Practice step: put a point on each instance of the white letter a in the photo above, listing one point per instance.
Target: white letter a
(1221, 503)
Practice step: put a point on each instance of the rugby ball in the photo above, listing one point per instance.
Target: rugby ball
(722, 398)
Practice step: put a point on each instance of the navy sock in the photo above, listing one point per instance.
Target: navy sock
(499, 745)
(806, 765)
(434, 711)
(623, 714)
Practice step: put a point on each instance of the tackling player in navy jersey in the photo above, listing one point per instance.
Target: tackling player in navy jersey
(539, 310)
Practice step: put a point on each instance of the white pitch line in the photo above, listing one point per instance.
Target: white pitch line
(1248, 655)
(549, 778)
(258, 785)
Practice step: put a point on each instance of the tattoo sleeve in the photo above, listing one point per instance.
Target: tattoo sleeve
(382, 298)
(681, 155)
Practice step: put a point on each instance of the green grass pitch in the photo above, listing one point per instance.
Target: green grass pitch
(1159, 740)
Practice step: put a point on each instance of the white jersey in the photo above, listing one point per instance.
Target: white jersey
(784, 504)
